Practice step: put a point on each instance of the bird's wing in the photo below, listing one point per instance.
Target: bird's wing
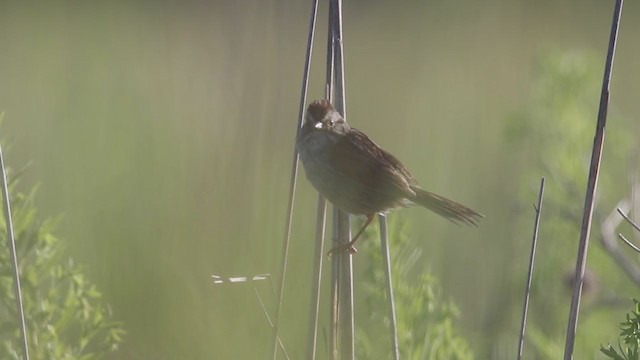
(376, 169)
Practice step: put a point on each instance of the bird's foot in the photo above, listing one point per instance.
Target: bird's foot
(342, 249)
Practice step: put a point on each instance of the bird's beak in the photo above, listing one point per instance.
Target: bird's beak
(318, 125)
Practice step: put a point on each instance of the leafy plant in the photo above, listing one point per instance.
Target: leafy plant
(65, 314)
(425, 320)
(630, 334)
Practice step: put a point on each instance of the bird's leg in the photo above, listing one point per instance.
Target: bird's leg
(362, 229)
(348, 247)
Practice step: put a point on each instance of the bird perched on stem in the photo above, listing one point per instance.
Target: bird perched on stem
(358, 176)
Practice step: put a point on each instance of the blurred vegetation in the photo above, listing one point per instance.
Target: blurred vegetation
(163, 132)
(552, 135)
(65, 314)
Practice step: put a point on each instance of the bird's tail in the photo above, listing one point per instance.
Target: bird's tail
(446, 208)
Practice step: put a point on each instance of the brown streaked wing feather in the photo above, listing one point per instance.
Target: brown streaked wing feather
(375, 163)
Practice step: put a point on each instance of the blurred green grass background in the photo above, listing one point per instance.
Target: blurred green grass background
(163, 132)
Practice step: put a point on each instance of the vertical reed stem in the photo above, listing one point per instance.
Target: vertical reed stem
(532, 257)
(316, 280)
(592, 185)
(294, 175)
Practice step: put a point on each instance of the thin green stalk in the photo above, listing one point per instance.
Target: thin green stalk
(386, 257)
(14, 257)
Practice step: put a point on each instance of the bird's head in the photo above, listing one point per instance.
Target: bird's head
(321, 115)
